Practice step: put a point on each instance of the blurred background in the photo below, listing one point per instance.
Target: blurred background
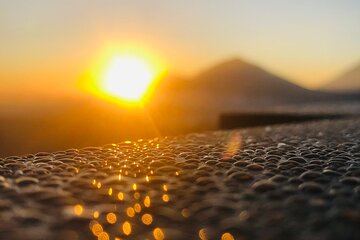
(86, 72)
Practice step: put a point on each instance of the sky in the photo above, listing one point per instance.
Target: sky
(47, 43)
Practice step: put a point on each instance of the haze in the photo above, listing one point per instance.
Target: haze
(55, 42)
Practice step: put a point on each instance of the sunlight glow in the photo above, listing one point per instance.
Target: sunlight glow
(123, 73)
(128, 78)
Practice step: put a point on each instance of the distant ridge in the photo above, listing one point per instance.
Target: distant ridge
(236, 76)
(234, 85)
(231, 82)
(347, 82)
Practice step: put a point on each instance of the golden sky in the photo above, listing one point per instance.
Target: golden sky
(56, 42)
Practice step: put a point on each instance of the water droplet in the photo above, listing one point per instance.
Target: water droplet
(165, 198)
(130, 212)
(78, 209)
(158, 234)
(227, 236)
(137, 195)
(185, 213)
(103, 236)
(137, 207)
(202, 234)
(120, 196)
(111, 218)
(126, 227)
(147, 201)
(147, 219)
(96, 229)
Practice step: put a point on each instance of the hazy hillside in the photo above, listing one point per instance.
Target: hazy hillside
(349, 81)
(236, 77)
(228, 86)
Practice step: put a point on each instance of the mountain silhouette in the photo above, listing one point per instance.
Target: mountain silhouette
(347, 82)
(237, 77)
(230, 84)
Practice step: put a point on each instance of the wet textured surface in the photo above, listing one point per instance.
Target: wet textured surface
(284, 182)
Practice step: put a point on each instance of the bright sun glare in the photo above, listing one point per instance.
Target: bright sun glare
(128, 78)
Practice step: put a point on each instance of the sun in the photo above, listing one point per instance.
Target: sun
(128, 78)
(126, 74)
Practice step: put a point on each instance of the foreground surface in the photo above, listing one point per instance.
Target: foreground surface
(286, 182)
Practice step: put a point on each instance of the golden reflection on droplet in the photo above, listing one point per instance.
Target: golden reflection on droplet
(165, 187)
(119, 176)
(185, 213)
(93, 181)
(110, 192)
(244, 215)
(227, 236)
(103, 236)
(177, 173)
(120, 196)
(152, 172)
(111, 218)
(158, 234)
(78, 209)
(96, 214)
(130, 212)
(98, 185)
(147, 201)
(202, 234)
(126, 227)
(137, 207)
(165, 197)
(147, 178)
(137, 195)
(134, 187)
(147, 219)
(96, 229)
